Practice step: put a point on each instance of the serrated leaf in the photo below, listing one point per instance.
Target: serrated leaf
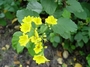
(66, 14)
(25, 12)
(49, 6)
(64, 27)
(34, 6)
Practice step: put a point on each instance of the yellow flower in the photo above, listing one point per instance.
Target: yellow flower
(23, 40)
(37, 20)
(51, 20)
(38, 47)
(40, 59)
(35, 39)
(27, 19)
(25, 27)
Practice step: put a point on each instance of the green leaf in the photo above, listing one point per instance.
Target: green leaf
(15, 39)
(85, 39)
(34, 6)
(64, 27)
(74, 6)
(81, 15)
(88, 59)
(30, 46)
(80, 44)
(2, 15)
(19, 48)
(55, 44)
(66, 14)
(25, 12)
(49, 6)
(78, 36)
(3, 22)
(8, 15)
(58, 13)
(30, 33)
(43, 28)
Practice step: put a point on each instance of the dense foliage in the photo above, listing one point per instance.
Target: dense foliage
(71, 31)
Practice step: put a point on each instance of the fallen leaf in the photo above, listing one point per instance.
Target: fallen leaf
(78, 65)
(14, 20)
(59, 53)
(16, 62)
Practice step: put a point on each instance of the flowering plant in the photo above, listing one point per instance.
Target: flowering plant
(58, 25)
(32, 35)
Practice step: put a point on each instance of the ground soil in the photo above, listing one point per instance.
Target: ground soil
(9, 57)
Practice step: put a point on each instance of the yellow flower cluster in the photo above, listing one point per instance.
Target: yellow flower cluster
(26, 27)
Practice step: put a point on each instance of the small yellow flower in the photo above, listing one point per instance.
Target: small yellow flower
(25, 27)
(35, 39)
(23, 40)
(40, 59)
(27, 19)
(51, 20)
(38, 47)
(37, 20)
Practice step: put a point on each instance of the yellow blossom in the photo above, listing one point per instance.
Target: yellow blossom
(25, 27)
(27, 19)
(38, 47)
(35, 39)
(37, 20)
(40, 59)
(51, 20)
(23, 40)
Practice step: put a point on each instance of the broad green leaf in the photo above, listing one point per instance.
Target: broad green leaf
(81, 15)
(78, 36)
(74, 6)
(43, 28)
(15, 39)
(80, 44)
(2, 22)
(66, 14)
(55, 44)
(19, 48)
(8, 15)
(64, 27)
(34, 6)
(2, 15)
(25, 12)
(30, 33)
(58, 13)
(49, 6)
(1, 2)
(30, 46)
(88, 59)
(85, 39)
